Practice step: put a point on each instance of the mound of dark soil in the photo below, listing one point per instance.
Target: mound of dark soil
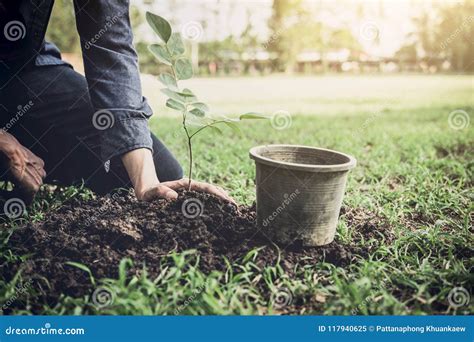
(100, 232)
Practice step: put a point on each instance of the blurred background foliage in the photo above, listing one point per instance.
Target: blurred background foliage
(300, 36)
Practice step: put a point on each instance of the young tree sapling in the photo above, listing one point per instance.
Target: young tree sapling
(195, 113)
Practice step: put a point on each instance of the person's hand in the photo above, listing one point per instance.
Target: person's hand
(168, 190)
(141, 170)
(24, 168)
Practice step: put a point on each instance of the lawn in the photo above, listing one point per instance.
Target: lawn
(414, 174)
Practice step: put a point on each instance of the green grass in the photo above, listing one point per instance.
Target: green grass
(413, 169)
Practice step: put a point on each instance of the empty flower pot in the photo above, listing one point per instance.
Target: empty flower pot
(299, 192)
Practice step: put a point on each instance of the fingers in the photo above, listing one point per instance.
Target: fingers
(32, 158)
(200, 186)
(159, 191)
(38, 167)
(29, 185)
(212, 189)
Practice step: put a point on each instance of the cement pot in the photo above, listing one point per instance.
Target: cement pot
(299, 192)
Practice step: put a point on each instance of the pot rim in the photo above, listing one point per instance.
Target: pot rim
(254, 154)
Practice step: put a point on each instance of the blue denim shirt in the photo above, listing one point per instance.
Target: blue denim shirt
(110, 63)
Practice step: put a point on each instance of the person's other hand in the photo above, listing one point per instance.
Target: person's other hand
(25, 169)
(168, 190)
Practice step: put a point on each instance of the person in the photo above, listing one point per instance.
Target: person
(61, 127)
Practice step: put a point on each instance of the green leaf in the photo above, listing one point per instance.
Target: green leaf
(83, 268)
(195, 122)
(174, 95)
(200, 105)
(216, 129)
(169, 81)
(173, 104)
(188, 95)
(197, 112)
(160, 53)
(184, 68)
(123, 266)
(175, 44)
(233, 126)
(252, 116)
(187, 92)
(159, 25)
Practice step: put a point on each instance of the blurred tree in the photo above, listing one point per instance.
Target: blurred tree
(426, 34)
(448, 34)
(248, 39)
(294, 29)
(455, 35)
(285, 15)
(407, 53)
(62, 29)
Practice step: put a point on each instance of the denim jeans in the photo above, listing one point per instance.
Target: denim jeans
(49, 111)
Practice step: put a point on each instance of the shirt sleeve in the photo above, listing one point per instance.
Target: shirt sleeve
(113, 78)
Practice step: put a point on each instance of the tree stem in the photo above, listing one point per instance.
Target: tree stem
(190, 151)
(190, 163)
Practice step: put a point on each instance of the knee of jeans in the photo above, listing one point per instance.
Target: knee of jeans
(178, 172)
(172, 171)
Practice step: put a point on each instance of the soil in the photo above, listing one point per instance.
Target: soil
(100, 232)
